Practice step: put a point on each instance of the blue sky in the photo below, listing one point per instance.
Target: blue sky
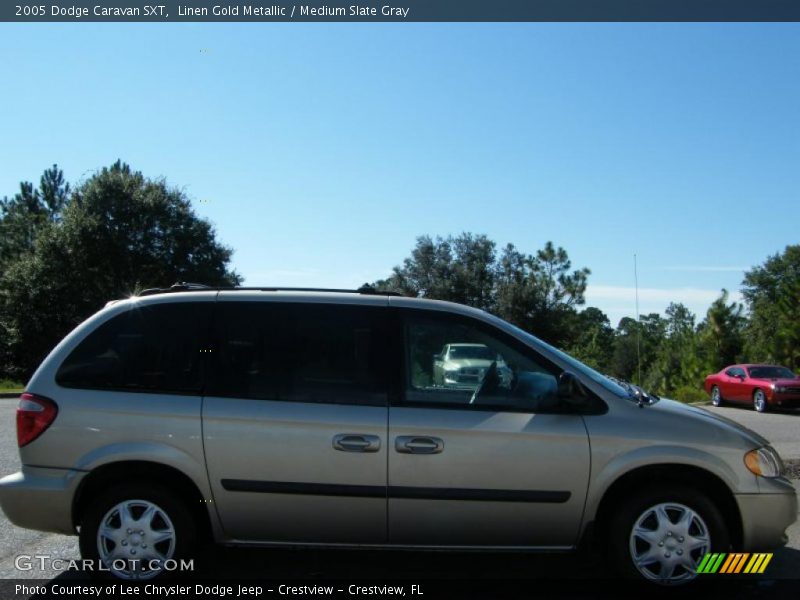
(320, 152)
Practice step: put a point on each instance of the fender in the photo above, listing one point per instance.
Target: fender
(156, 454)
(659, 454)
(146, 452)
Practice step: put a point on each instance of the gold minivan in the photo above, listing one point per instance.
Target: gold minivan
(316, 418)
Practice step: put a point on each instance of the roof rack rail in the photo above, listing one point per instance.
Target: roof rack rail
(178, 286)
(364, 289)
(199, 287)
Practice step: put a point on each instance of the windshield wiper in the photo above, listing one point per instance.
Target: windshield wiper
(636, 392)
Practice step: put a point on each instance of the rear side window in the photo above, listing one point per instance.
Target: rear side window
(152, 348)
(299, 353)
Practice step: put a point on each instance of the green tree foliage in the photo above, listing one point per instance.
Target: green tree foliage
(116, 234)
(670, 355)
(677, 360)
(594, 340)
(789, 329)
(635, 339)
(24, 215)
(64, 253)
(627, 350)
(537, 292)
(540, 293)
(772, 294)
(721, 334)
(457, 269)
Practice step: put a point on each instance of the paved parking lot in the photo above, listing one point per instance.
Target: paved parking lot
(782, 429)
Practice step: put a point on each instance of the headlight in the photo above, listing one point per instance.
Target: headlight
(764, 462)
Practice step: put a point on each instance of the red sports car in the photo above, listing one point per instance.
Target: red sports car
(763, 385)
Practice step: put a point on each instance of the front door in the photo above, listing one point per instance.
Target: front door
(732, 388)
(492, 462)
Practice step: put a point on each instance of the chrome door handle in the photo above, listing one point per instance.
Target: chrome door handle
(415, 444)
(356, 442)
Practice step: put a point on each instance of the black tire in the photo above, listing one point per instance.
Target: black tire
(620, 527)
(160, 496)
(716, 396)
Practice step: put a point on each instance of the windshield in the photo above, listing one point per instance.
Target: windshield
(472, 351)
(771, 373)
(578, 366)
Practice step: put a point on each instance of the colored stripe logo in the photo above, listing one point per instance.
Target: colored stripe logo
(736, 562)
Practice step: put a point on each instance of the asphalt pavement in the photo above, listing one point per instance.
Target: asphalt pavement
(782, 429)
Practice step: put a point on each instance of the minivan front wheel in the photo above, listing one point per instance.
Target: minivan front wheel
(662, 535)
(136, 531)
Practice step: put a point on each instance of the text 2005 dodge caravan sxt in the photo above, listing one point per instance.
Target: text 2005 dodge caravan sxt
(326, 418)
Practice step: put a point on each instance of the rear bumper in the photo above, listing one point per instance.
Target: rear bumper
(40, 498)
(766, 516)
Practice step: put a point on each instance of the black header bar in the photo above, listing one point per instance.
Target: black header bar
(403, 11)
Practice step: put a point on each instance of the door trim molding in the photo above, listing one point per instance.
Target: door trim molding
(310, 489)
(396, 492)
(483, 495)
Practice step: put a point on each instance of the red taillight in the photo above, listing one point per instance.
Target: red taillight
(34, 415)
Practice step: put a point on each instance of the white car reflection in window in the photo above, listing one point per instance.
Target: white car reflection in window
(464, 366)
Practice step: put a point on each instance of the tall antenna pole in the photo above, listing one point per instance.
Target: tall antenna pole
(638, 323)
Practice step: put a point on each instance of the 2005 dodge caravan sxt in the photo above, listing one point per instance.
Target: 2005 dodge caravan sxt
(330, 418)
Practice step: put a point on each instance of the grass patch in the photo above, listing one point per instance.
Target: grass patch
(689, 394)
(7, 385)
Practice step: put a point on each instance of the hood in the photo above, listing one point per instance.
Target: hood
(470, 362)
(702, 416)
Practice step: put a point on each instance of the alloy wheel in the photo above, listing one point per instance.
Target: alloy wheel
(716, 397)
(135, 538)
(668, 541)
(760, 401)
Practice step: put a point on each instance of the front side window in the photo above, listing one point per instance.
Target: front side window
(299, 353)
(575, 365)
(151, 348)
(455, 364)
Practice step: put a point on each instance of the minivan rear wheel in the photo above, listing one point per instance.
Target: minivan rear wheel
(136, 531)
(661, 535)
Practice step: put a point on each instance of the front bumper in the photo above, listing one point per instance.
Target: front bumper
(40, 498)
(766, 516)
(785, 400)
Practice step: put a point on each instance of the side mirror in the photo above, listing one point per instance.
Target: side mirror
(570, 387)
